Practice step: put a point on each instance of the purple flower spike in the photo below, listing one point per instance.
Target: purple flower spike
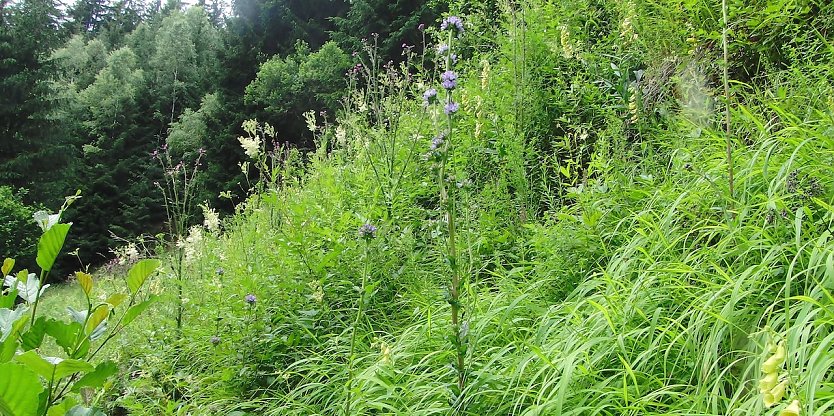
(367, 231)
(442, 48)
(449, 80)
(451, 108)
(250, 299)
(436, 143)
(453, 23)
(429, 96)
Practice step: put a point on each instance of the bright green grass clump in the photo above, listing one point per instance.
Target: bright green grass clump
(608, 270)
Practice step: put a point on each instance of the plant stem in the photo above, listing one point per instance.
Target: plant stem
(42, 280)
(179, 289)
(448, 201)
(727, 99)
(355, 324)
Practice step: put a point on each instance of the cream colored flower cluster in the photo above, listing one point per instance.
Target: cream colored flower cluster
(627, 31)
(774, 381)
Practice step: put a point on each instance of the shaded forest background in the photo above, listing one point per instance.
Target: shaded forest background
(91, 91)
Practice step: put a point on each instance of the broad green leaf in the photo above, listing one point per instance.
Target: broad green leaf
(77, 316)
(50, 245)
(116, 299)
(8, 265)
(139, 273)
(97, 317)
(61, 409)
(19, 390)
(97, 378)
(36, 363)
(7, 349)
(7, 300)
(99, 331)
(85, 280)
(33, 338)
(84, 411)
(8, 319)
(53, 368)
(28, 290)
(135, 310)
(64, 334)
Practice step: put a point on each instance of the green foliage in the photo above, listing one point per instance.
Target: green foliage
(111, 98)
(601, 263)
(33, 383)
(280, 81)
(18, 231)
(191, 131)
(19, 390)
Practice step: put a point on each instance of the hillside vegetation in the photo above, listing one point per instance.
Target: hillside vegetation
(606, 208)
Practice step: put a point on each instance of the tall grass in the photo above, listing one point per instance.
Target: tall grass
(606, 273)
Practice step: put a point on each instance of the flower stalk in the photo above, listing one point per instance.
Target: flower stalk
(448, 79)
(367, 232)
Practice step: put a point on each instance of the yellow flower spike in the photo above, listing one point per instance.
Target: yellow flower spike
(775, 395)
(768, 382)
(774, 363)
(769, 400)
(792, 409)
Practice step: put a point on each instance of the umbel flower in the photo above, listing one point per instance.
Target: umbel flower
(251, 146)
(451, 108)
(250, 299)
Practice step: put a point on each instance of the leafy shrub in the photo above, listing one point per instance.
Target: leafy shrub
(18, 232)
(33, 383)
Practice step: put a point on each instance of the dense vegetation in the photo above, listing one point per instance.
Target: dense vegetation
(91, 91)
(520, 207)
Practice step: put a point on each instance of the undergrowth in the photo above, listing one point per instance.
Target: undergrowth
(609, 267)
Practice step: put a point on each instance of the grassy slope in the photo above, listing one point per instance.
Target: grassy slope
(642, 287)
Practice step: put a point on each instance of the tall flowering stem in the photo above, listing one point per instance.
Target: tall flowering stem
(178, 192)
(443, 144)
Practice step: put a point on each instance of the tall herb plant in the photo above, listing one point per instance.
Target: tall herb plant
(442, 153)
(178, 193)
